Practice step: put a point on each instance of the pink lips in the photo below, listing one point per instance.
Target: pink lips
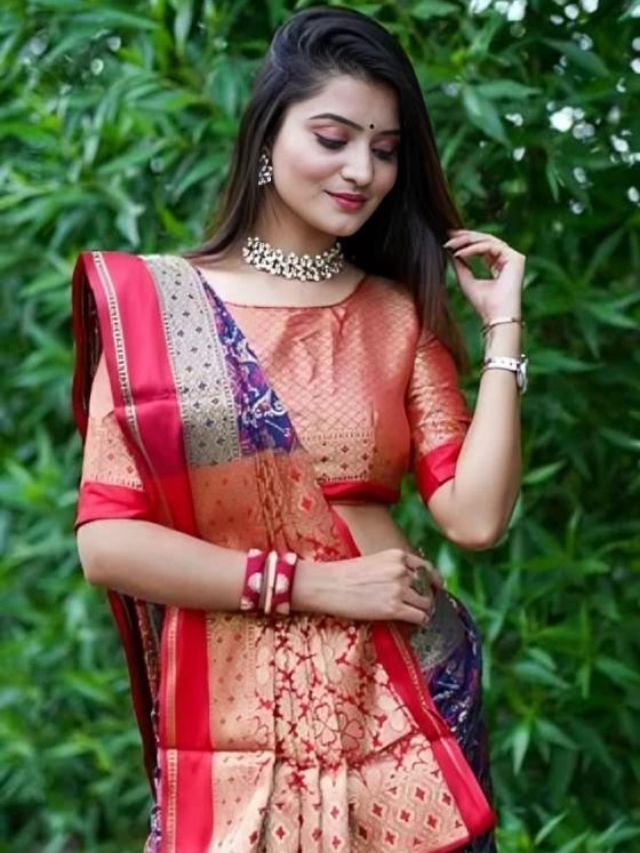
(348, 201)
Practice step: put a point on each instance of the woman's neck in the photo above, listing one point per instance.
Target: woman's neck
(290, 234)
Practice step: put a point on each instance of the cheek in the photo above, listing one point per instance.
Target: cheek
(303, 162)
(385, 181)
(388, 178)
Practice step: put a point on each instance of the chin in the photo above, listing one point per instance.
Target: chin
(344, 227)
(350, 228)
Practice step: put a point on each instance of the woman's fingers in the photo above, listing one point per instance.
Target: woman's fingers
(416, 608)
(414, 561)
(422, 602)
(471, 236)
(489, 249)
(418, 564)
(412, 614)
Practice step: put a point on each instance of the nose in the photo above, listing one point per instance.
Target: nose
(359, 167)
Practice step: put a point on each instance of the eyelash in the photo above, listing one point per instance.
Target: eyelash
(334, 144)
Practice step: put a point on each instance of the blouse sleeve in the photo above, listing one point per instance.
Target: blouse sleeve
(438, 415)
(110, 483)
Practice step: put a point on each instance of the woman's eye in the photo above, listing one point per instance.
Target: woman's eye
(330, 143)
(334, 144)
(386, 155)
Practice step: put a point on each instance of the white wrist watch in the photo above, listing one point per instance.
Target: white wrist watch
(515, 365)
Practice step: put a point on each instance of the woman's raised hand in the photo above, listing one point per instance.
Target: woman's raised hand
(490, 297)
(377, 586)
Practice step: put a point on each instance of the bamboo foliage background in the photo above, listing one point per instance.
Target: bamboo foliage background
(116, 121)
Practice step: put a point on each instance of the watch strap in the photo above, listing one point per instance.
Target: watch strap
(515, 365)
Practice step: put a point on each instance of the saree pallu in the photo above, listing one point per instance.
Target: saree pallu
(309, 733)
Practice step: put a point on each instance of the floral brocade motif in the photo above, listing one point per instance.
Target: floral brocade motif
(314, 751)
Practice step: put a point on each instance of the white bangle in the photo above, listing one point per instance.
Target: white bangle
(269, 581)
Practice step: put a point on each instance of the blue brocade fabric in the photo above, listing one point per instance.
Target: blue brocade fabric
(455, 685)
(263, 420)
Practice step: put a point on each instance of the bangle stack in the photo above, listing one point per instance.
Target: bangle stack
(268, 582)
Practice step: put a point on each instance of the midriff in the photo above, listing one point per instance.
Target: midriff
(372, 526)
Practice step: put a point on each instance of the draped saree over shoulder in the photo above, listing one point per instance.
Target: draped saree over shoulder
(311, 733)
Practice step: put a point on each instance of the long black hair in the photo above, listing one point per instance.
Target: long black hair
(402, 239)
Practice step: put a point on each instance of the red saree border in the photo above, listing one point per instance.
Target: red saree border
(400, 661)
(92, 332)
(147, 410)
(401, 664)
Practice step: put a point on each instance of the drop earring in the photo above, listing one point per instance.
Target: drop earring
(266, 168)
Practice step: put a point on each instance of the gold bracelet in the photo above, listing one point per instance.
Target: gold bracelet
(500, 321)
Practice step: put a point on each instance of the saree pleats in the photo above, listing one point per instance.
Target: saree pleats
(310, 733)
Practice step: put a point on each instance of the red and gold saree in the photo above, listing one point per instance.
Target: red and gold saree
(309, 733)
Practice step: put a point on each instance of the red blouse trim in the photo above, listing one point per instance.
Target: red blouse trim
(359, 491)
(105, 500)
(436, 467)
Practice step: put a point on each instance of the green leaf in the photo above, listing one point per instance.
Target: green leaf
(542, 473)
(426, 9)
(553, 734)
(584, 59)
(509, 89)
(574, 844)
(548, 828)
(520, 739)
(621, 439)
(617, 671)
(483, 114)
(533, 672)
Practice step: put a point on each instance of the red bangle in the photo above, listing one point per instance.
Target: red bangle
(285, 574)
(253, 580)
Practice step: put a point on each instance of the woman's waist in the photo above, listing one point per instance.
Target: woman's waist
(372, 526)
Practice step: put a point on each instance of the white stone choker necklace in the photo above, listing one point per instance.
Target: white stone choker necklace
(263, 256)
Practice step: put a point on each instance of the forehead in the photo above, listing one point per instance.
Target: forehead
(362, 101)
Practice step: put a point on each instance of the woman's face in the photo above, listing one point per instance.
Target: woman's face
(353, 150)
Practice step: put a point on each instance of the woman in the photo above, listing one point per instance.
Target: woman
(249, 414)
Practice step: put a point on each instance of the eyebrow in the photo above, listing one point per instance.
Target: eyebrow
(343, 120)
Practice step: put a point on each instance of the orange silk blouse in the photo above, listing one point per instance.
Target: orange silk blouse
(370, 395)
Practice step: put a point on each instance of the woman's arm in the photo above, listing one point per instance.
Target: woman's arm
(473, 508)
(155, 563)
